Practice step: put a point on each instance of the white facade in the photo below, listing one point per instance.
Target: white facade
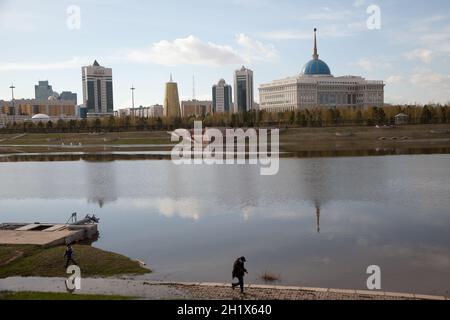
(303, 92)
(317, 87)
(154, 111)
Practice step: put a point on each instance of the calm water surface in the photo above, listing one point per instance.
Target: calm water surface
(319, 222)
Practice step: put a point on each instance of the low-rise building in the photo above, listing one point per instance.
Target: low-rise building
(401, 119)
(154, 111)
(315, 86)
(195, 108)
(27, 108)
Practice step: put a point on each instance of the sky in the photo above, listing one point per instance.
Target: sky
(146, 41)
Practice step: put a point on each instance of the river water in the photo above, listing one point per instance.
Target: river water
(319, 222)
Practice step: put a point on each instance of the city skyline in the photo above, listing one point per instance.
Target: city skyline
(409, 52)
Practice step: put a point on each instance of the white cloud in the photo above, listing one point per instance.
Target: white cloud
(370, 64)
(394, 99)
(435, 18)
(326, 33)
(395, 79)
(287, 35)
(29, 66)
(425, 78)
(359, 3)
(431, 32)
(19, 21)
(425, 55)
(191, 50)
(252, 3)
(328, 14)
(422, 86)
(256, 50)
(365, 63)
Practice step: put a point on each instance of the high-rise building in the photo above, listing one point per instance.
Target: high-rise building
(97, 90)
(42, 91)
(68, 96)
(171, 99)
(222, 97)
(243, 90)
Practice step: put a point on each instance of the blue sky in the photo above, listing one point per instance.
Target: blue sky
(145, 41)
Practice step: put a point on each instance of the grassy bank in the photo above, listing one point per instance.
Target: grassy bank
(365, 138)
(26, 260)
(113, 138)
(301, 142)
(57, 296)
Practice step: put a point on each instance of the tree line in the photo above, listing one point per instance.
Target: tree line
(317, 117)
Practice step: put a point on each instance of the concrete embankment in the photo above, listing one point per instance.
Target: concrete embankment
(141, 289)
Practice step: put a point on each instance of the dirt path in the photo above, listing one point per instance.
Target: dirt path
(14, 138)
(17, 255)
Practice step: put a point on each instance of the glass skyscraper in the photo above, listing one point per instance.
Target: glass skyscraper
(243, 90)
(222, 97)
(97, 90)
(42, 91)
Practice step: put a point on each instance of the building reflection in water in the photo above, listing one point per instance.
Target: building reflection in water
(101, 182)
(315, 186)
(317, 204)
(325, 180)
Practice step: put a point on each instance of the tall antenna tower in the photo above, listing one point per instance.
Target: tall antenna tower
(193, 87)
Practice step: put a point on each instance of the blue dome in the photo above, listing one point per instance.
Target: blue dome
(316, 67)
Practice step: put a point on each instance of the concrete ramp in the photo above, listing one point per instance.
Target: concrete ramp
(45, 234)
(36, 237)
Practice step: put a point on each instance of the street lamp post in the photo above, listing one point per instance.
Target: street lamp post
(12, 102)
(132, 95)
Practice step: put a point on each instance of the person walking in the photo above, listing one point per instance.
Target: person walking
(238, 272)
(69, 256)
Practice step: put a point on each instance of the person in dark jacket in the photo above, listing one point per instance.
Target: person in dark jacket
(238, 272)
(69, 256)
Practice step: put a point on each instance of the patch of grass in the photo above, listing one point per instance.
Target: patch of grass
(57, 296)
(270, 277)
(49, 262)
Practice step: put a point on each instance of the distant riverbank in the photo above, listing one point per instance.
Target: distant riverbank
(294, 142)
